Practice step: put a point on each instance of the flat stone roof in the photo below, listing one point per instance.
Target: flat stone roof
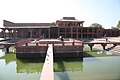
(49, 40)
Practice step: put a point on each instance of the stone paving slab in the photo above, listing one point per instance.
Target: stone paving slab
(47, 71)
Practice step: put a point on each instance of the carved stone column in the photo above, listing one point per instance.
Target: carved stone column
(71, 32)
(77, 32)
(103, 45)
(4, 34)
(14, 33)
(9, 33)
(49, 33)
(90, 45)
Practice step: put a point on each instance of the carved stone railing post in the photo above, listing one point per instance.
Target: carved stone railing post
(62, 43)
(36, 44)
(26, 44)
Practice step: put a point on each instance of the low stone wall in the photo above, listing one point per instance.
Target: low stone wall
(30, 55)
(42, 55)
(40, 52)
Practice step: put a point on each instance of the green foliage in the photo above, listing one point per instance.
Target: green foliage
(53, 24)
(11, 49)
(96, 25)
(118, 25)
(114, 28)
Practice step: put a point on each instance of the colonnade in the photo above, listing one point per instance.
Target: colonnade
(9, 33)
(25, 33)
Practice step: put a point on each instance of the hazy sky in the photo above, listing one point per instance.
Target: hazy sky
(104, 12)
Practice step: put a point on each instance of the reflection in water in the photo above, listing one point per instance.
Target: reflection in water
(8, 58)
(35, 65)
(66, 65)
(93, 66)
(26, 66)
(71, 64)
(62, 67)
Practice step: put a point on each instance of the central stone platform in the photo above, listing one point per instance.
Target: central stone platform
(37, 48)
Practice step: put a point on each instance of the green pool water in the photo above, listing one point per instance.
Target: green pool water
(94, 66)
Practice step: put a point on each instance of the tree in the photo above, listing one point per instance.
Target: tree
(118, 25)
(114, 27)
(96, 25)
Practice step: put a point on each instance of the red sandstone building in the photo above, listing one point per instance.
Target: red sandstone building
(68, 27)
